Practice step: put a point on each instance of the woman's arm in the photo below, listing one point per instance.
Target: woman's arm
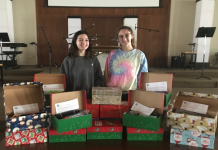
(107, 70)
(65, 70)
(99, 80)
(143, 67)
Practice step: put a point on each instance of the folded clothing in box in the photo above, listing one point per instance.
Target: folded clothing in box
(26, 137)
(68, 124)
(192, 138)
(135, 134)
(69, 136)
(105, 129)
(106, 95)
(148, 99)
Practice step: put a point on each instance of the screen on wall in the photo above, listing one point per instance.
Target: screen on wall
(104, 3)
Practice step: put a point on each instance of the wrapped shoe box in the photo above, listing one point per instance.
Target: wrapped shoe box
(105, 129)
(106, 95)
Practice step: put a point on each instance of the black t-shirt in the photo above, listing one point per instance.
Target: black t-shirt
(82, 74)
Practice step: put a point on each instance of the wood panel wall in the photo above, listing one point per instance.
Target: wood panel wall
(107, 21)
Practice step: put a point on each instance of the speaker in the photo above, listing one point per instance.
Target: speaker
(176, 62)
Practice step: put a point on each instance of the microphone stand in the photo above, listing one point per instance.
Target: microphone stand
(149, 30)
(85, 29)
(49, 51)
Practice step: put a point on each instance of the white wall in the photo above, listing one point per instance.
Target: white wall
(181, 29)
(203, 18)
(182, 17)
(24, 13)
(6, 18)
(214, 40)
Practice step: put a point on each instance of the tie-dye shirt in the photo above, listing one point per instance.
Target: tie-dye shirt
(123, 69)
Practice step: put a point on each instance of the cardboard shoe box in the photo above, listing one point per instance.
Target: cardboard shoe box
(49, 79)
(134, 134)
(106, 95)
(63, 125)
(113, 111)
(148, 77)
(26, 137)
(192, 138)
(69, 136)
(191, 122)
(17, 94)
(105, 129)
(93, 108)
(149, 99)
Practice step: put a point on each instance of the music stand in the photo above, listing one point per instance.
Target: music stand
(205, 32)
(3, 39)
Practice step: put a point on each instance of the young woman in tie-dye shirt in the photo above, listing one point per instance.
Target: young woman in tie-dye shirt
(124, 66)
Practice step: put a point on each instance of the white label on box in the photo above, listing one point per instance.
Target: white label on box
(53, 87)
(156, 86)
(142, 109)
(26, 109)
(66, 106)
(194, 107)
(98, 123)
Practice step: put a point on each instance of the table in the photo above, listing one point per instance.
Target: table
(183, 58)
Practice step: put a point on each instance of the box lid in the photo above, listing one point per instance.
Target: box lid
(148, 77)
(143, 131)
(149, 99)
(21, 94)
(50, 78)
(66, 96)
(105, 126)
(52, 131)
(207, 99)
(112, 91)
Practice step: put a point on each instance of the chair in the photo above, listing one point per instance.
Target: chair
(2, 79)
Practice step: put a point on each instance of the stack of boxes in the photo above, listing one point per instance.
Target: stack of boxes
(29, 128)
(143, 128)
(107, 113)
(70, 129)
(69, 124)
(141, 123)
(109, 101)
(193, 130)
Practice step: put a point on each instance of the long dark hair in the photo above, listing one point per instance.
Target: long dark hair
(130, 30)
(73, 50)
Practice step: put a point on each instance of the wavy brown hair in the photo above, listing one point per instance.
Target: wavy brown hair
(73, 50)
(130, 30)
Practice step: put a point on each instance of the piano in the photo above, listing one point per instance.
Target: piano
(14, 45)
(12, 54)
